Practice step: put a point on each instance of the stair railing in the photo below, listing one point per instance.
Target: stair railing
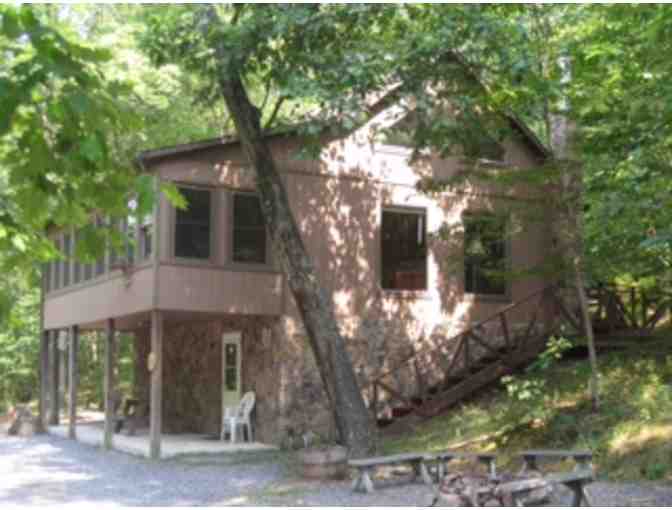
(500, 337)
(618, 308)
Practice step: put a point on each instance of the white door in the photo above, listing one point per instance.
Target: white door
(231, 363)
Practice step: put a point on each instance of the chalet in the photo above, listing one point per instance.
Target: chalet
(208, 305)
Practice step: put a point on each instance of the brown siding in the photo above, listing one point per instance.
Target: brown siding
(214, 290)
(96, 301)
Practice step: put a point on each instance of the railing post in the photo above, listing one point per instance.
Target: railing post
(467, 356)
(505, 329)
(374, 400)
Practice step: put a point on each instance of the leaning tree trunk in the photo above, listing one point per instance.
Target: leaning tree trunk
(569, 224)
(314, 304)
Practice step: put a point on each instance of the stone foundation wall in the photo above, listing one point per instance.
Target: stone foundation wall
(192, 374)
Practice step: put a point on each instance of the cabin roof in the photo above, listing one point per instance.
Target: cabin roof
(154, 155)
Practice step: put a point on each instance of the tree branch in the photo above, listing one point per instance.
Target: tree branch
(276, 110)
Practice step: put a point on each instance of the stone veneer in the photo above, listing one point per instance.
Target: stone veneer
(192, 373)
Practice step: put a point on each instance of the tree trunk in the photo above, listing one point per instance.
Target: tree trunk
(569, 228)
(314, 304)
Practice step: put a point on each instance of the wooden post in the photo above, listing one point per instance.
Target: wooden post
(109, 384)
(74, 381)
(63, 375)
(156, 385)
(54, 404)
(44, 378)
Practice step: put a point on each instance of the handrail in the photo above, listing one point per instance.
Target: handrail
(468, 331)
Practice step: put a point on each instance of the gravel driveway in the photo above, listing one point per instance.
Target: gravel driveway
(54, 471)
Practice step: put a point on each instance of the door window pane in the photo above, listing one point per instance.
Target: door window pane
(231, 367)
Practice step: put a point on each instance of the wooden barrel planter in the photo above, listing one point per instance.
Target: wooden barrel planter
(328, 463)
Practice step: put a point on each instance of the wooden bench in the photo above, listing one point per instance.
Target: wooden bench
(576, 480)
(442, 459)
(365, 468)
(583, 458)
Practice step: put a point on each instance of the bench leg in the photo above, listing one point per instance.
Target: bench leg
(367, 482)
(492, 468)
(586, 499)
(529, 464)
(357, 482)
(424, 474)
(579, 494)
(441, 470)
(363, 482)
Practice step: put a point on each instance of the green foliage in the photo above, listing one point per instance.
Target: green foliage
(532, 388)
(18, 348)
(91, 367)
(60, 116)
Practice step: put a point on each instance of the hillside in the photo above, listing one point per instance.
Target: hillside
(548, 407)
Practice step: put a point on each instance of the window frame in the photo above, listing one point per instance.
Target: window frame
(404, 209)
(506, 295)
(212, 256)
(231, 219)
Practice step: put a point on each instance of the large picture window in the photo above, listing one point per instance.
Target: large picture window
(485, 254)
(192, 225)
(249, 231)
(404, 249)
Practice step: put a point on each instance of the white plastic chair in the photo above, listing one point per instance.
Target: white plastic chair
(239, 416)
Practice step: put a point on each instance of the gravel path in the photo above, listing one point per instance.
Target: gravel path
(54, 471)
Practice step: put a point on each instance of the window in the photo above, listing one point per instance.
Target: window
(77, 266)
(129, 226)
(100, 262)
(57, 267)
(145, 247)
(67, 252)
(88, 271)
(404, 250)
(46, 272)
(249, 231)
(192, 225)
(485, 254)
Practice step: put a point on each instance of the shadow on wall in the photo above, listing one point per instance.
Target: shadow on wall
(340, 222)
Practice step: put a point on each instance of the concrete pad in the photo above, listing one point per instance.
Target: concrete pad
(172, 445)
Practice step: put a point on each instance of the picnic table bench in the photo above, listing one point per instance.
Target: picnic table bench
(443, 458)
(576, 480)
(365, 467)
(531, 458)
(420, 463)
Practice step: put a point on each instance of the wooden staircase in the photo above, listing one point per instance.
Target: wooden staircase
(434, 379)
